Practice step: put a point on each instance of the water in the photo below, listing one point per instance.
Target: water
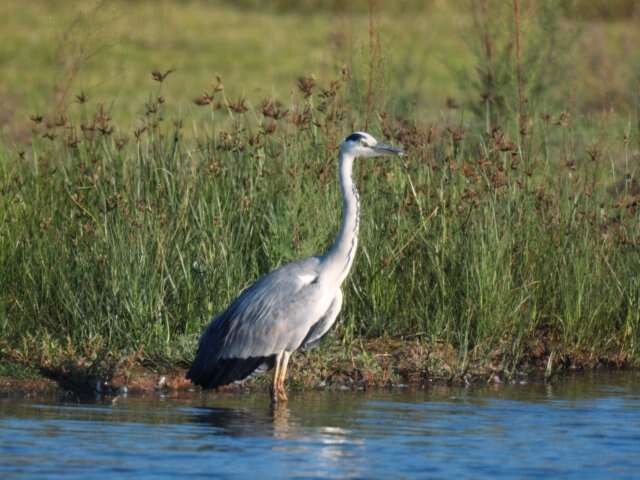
(582, 427)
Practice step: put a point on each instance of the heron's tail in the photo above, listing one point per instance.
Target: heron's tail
(226, 370)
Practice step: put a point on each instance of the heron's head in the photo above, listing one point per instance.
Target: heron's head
(361, 144)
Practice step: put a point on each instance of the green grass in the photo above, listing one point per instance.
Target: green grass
(108, 49)
(258, 53)
(140, 246)
(18, 370)
(113, 245)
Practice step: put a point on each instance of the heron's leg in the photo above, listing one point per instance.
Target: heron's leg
(276, 376)
(282, 393)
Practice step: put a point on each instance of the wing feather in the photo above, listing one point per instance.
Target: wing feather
(274, 314)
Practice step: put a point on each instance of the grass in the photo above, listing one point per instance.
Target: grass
(121, 238)
(107, 49)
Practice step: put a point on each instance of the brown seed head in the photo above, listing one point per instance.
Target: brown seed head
(457, 134)
(121, 141)
(60, 121)
(273, 109)
(306, 86)
(239, 106)
(204, 99)
(71, 138)
(452, 104)
(218, 87)
(158, 76)
(138, 132)
(268, 128)
(563, 119)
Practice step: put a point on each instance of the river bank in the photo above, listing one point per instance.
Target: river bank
(367, 363)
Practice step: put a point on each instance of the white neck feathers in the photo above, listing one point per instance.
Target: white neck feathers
(339, 259)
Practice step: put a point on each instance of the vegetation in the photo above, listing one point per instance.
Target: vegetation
(509, 232)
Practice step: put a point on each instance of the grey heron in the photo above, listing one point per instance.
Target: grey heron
(292, 307)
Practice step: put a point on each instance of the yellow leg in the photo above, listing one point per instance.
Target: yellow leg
(282, 373)
(276, 376)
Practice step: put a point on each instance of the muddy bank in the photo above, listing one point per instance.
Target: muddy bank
(361, 365)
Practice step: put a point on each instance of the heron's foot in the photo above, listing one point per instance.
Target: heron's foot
(278, 394)
(282, 394)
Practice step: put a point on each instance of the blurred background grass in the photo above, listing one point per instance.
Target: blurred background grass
(49, 52)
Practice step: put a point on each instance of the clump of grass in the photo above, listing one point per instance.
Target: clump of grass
(17, 370)
(132, 245)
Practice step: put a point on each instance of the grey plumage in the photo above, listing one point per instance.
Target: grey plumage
(269, 316)
(292, 307)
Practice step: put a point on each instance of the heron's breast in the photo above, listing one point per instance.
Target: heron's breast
(324, 297)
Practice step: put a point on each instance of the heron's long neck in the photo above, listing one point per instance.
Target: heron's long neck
(339, 258)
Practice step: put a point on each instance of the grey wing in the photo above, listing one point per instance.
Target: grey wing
(274, 314)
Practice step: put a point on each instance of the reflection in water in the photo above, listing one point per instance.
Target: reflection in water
(282, 424)
(583, 426)
(326, 447)
(246, 422)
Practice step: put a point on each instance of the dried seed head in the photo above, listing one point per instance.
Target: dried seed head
(345, 73)
(204, 99)
(101, 115)
(457, 134)
(158, 76)
(151, 108)
(303, 119)
(269, 128)
(273, 109)
(238, 106)
(452, 104)
(594, 152)
(121, 141)
(106, 130)
(332, 90)
(71, 138)
(563, 119)
(139, 131)
(306, 86)
(218, 87)
(60, 121)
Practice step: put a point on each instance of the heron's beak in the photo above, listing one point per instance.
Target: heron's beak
(384, 149)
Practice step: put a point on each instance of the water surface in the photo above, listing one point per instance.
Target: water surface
(581, 427)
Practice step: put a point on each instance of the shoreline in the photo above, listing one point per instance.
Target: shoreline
(372, 363)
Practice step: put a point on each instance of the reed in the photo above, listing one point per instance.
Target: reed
(121, 245)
